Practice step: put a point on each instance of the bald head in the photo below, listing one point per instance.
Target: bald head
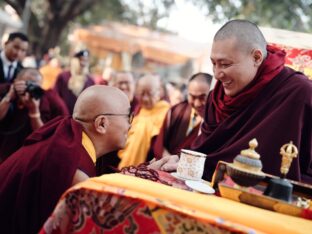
(150, 80)
(247, 34)
(103, 112)
(201, 77)
(30, 74)
(99, 99)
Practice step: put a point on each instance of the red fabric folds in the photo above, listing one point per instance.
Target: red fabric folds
(34, 178)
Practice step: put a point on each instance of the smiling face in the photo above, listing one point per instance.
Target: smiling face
(197, 94)
(148, 91)
(235, 67)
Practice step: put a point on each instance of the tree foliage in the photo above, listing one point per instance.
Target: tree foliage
(293, 15)
(50, 19)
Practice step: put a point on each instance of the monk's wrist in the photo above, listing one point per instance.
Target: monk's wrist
(6, 99)
(34, 115)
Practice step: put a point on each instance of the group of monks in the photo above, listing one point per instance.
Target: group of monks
(255, 96)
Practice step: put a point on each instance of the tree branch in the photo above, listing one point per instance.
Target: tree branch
(76, 9)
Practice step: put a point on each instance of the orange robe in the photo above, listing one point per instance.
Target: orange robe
(145, 126)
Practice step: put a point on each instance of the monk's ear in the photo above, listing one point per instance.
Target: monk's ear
(258, 57)
(101, 124)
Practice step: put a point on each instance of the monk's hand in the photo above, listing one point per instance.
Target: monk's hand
(31, 103)
(171, 164)
(20, 87)
(11, 94)
(167, 163)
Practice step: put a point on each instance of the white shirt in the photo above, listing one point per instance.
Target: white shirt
(6, 63)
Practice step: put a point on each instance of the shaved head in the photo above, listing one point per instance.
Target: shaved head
(201, 77)
(30, 74)
(150, 80)
(246, 33)
(103, 112)
(99, 99)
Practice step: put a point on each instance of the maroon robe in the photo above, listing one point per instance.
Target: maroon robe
(135, 106)
(172, 135)
(61, 87)
(34, 178)
(282, 112)
(16, 126)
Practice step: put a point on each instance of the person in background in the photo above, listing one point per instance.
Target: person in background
(175, 93)
(182, 122)
(24, 108)
(146, 124)
(125, 82)
(69, 84)
(14, 48)
(58, 155)
(50, 72)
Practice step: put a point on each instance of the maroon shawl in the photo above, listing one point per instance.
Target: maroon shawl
(61, 87)
(280, 113)
(15, 127)
(172, 135)
(34, 178)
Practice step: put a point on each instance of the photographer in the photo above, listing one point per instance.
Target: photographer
(24, 108)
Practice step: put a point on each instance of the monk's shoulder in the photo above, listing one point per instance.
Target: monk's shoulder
(300, 85)
(182, 106)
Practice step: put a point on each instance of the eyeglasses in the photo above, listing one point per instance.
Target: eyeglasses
(130, 117)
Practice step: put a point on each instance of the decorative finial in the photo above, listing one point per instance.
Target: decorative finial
(251, 153)
(288, 152)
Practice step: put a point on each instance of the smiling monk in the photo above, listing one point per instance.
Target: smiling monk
(255, 96)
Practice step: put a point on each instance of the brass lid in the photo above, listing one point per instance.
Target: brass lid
(251, 153)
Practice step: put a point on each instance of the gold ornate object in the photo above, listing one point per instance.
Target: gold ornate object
(288, 152)
(246, 169)
(251, 153)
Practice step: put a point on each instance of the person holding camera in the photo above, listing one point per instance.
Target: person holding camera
(24, 108)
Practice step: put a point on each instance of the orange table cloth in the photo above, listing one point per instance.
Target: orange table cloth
(118, 203)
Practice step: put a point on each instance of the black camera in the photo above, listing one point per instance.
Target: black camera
(34, 89)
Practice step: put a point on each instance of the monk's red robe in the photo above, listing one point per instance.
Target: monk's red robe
(61, 87)
(135, 106)
(34, 178)
(15, 127)
(172, 135)
(280, 113)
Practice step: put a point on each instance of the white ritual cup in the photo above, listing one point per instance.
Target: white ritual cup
(191, 165)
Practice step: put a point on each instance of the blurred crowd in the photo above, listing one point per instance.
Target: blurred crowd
(33, 93)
